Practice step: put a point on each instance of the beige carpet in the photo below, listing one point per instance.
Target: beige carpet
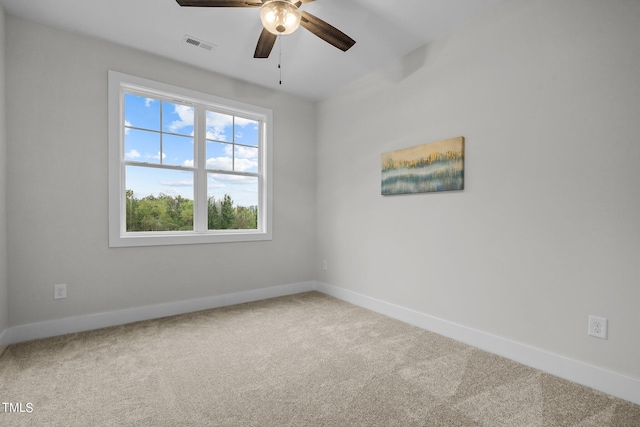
(302, 360)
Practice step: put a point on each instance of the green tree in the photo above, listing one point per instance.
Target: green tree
(168, 213)
(246, 218)
(151, 212)
(213, 217)
(186, 214)
(227, 213)
(132, 208)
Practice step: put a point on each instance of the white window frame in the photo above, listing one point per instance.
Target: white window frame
(119, 83)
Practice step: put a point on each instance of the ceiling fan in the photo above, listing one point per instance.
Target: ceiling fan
(280, 17)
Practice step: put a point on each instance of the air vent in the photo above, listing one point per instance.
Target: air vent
(199, 43)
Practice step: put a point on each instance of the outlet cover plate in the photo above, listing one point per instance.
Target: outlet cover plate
(598, 327)
(59, 291)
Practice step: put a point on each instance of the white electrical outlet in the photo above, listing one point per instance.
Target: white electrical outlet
(324, 264)
(598, 327)
(59, 291)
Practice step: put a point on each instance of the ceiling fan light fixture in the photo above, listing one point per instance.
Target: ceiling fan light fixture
(280, 17)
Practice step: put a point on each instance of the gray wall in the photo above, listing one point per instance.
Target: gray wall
(57, 187)
(4, 301)
(546, 232)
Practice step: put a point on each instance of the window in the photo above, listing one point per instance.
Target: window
(185, 167)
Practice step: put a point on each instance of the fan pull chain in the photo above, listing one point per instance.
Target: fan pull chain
(280, 58)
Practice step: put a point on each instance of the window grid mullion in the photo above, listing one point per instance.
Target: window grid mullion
(262, 170)
(233, 142)
(161, 131)
(200, 221)
(157, 166)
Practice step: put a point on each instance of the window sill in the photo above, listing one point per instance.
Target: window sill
(185, 238)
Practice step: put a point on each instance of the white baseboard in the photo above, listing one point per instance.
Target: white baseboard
(600, 379)
(597, 378)
(69, 325)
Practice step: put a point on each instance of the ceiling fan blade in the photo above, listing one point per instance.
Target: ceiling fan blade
(219, 3)
(326, 32)
(265, 44)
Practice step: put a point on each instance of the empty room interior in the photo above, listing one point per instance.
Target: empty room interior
(533, 262)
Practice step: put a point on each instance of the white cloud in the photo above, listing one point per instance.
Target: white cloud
(188, 163)
(217, 124)
(244, 122)
(185, 113)
(132, 154)
(183, 183)
(243, 189)
(231, 179)
(246, 159)
(220, 163)
(246, 152)
(243, 165)
(148, 102)
(226, 163)
(156, 157)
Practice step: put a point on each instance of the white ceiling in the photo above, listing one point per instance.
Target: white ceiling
(311, 68)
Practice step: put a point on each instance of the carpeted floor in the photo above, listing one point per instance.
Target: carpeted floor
(301, 360)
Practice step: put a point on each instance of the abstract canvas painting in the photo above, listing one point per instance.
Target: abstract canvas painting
(437, 166)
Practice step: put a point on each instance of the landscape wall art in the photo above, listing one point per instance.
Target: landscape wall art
(438, 166)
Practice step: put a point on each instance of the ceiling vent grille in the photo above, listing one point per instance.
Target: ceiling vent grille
(199, 43)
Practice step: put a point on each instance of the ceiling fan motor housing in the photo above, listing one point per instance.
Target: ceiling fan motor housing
(280, 17)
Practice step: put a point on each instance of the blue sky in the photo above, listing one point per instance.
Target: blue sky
(161, 132)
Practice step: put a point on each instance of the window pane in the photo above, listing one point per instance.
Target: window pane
(178, 150)
(246, 132)
(219, 127)
(245, 159)
(158, 199)
(233, 202)
(141, 112)
(142, 146)
(177, 118)
(219, 156)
